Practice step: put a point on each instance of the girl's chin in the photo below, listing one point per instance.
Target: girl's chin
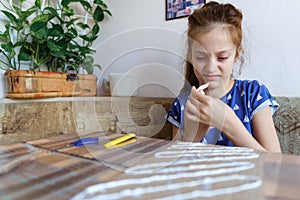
(215, 85)
(219, 86)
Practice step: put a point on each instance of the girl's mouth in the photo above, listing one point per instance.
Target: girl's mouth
(211, 77)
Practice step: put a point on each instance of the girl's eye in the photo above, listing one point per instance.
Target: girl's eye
(200, 58)
(223, 58)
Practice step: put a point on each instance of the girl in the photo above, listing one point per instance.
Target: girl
(224, 111)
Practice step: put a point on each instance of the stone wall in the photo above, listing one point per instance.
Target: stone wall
(22, 121)
(25, 120)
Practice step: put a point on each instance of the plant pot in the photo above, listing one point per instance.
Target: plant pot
(25, 84)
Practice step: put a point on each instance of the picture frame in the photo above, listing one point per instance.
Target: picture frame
(181, 8)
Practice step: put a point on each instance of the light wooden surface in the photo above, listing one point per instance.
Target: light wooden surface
(147, 169)
(29, 84)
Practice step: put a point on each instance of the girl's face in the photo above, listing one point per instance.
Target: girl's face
(213, 56)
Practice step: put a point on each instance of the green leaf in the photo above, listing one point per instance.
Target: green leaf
(39, 30)
(35, 26)
(65, 3)
(69, 36)
(107, 12)
(8, 48)
(53, 47)
(58, 54)
(72, 55)
(52, 11)
(88, 64)
(4, 38)
(23, 44)
(94, 37)
(24, 14)
(89, 39)
(17, 10)
(10, 16)
(72, 22)
(95, 29)
(85, 4)
(98, 14)
(98, 66)
(88, 59)
(43, 18)
(67, 12)
(100, 2)
(24, 54)
(85, 38)
(89, 69)
(37, 3)
(72, 46)
(82, 25)
(74, 32)
(56, 31)
(86, 50)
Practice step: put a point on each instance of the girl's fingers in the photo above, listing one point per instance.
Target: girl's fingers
(193, 95)
(192, 109)
(201, 88)
(199, 94)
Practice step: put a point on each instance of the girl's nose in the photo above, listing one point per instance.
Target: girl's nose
(212, 64)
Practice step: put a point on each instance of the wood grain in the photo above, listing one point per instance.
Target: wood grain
(27, 84)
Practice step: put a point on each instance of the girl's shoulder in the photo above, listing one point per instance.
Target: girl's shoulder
(248, 89)
(248, 84)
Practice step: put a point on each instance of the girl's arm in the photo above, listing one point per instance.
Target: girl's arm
(176, 134)
(263, 129)
(189, 134)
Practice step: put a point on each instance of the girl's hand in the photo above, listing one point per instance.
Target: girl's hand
(194, 129)
(206, 110)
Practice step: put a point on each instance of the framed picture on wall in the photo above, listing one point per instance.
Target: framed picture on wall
(181, 8)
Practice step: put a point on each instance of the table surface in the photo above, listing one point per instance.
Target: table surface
(147, 169)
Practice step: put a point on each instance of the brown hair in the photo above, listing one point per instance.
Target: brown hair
(209, 16)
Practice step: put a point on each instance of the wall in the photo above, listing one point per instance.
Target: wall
(27, 120)
(138, 39)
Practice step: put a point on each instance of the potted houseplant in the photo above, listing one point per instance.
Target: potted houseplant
(51, 36)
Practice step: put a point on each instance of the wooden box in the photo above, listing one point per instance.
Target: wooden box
(26, 84)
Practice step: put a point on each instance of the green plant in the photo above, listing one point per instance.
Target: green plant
(52, 35)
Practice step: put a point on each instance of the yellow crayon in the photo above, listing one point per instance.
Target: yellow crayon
(127, 142)
(119, 140)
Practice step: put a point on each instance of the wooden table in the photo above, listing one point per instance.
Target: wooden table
(146, 169)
